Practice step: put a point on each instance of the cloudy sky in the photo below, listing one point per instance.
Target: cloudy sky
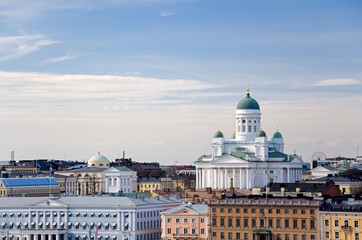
(156, 78)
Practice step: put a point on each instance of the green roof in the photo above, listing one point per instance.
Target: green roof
(261, 133)
(123, 169)
(277, 134)
(248, 103)
(218, 134)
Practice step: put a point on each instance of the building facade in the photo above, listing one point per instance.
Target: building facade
(31, 187)
(187, 221)
(341, 221)
(120, 179)
(249, 159)
(264, 219)
(82, 218)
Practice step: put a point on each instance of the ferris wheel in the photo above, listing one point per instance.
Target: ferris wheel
(318, 156)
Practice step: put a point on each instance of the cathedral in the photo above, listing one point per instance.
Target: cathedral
(249, 159)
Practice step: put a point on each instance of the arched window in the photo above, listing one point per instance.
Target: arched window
(109, 181)
(115, 181)
(121, 181)
(101, 165)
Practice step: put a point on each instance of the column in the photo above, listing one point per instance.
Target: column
(225, 178)
(288, 175)
(241, 179)
(234, 179)
(211, 178)
(216, 179)
(220, 179)
(197, 178)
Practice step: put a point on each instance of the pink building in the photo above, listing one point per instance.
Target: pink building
(187, 221)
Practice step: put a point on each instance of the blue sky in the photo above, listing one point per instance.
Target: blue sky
(157, 77)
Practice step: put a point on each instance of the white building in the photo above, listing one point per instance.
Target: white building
(120, 179)
(82, 218)
(249, 159)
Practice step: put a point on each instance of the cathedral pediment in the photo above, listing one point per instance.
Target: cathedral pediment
(228, 160)
(49, 203)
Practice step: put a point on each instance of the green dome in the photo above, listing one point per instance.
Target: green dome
(248, 103)
(261, 133)
(98, 157)
(277, 135)
(233, 136)
(218, 134)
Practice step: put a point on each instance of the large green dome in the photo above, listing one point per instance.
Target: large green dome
(261, 133)
(248, 103)
(218, 134)
(277, 135)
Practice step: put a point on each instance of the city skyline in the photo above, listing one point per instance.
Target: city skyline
(157, 78)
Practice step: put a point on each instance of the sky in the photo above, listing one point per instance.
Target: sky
(157, 78)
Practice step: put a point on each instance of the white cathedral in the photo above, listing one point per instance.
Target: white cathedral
(248, 159)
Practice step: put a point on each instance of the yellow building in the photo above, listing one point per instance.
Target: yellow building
(342, 221)
(149, 184)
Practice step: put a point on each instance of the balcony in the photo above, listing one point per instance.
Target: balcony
(186, 236)
(346, 228)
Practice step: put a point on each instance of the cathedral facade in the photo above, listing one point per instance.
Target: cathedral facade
(249, 159)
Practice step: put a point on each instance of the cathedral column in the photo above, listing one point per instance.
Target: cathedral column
(197, 178)
(211, 178)
(216, 179)
(234, 180)
(241, 177)
(225, 178)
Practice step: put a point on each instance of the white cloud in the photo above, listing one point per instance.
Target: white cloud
(17, 46)
(61, 59)
(166, 13)
(336, 82)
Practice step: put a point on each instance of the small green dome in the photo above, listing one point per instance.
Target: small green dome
(261, 133)
(218, 134)
(233, 136)
(277, 135)
(248, 103)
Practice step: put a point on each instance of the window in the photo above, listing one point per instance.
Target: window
(312, 211)
(237, 210)
(326, 222)
(202, 220)
(222, 210)
(295, 223)
(286, 223)
(326, 234)
(336, 235)
(193, 231)
(336, 222)
(214, 234)
(214, 210)
(185, 230)
(346, 223)
(278, 211)
(230, 210)
(286, 211)
(177, 231)
(249, 128)
(279, 225)
(237, 235)
(230, 222)
(253, 222)
(246, 221)
(279, 237)
(168, 220)
(193, 220)
(230, 235)
(312, 224)
(356, 225)
(237, 222)
(304, 237)
(261, 222)
(246, 236)
(245, 210)
(261, 210)
(295, 211)
(214, 221)
(295, 236)
(222, 222)
(222, 235)
(356, 235)
(270, 210)
(177, 220)
(287, 237)
(303, 211)
(312, 237)
(253, 210)
(304, 224)
(168, 230)
(202, 230)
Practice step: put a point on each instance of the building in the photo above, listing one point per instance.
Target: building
(298, 189)
(99, 161)
(264, 219)
(187, 221)
(341, 220)
(31, 187)
(120, 179)
(346, 184)
(67, 184)
(249, 159)
(83, 218)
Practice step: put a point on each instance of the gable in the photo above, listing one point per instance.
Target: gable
(49, 203)
(228, 159)
(297, 160)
